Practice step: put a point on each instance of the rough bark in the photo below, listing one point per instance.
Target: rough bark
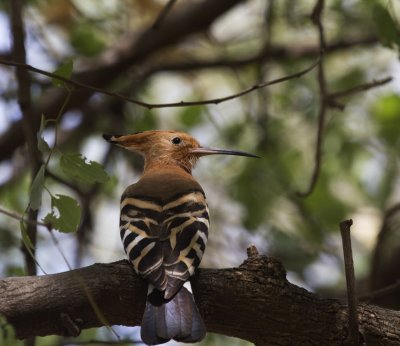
(254, 302)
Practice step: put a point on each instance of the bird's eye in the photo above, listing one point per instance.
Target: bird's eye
(176, 140)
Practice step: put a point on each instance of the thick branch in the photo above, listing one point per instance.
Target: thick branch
(253, 302)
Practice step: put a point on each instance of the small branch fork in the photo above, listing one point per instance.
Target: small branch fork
(350, 280)
(328, 100)
(316, 19)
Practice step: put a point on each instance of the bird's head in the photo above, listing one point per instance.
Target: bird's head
(167, 148)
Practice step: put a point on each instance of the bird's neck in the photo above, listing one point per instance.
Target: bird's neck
(154, 167)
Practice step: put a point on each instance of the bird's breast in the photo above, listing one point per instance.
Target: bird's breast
(160, 199)
(164, 187)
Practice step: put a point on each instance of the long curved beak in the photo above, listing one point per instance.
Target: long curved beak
(201, 151)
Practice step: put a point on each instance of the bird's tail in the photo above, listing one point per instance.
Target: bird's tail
(177, 319)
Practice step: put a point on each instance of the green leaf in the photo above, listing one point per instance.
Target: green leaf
(43, 146)
(86, 41)
(65, 70)
(388, 31)
(143, 121)
(35, 199)
(386, 114)
(76, 167)
(350, 78)
(7, 333)
(65, 215)
(191, 116)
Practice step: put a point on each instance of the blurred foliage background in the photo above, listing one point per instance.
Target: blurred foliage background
(251, 201)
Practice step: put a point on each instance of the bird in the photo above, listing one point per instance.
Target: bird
(164, 223)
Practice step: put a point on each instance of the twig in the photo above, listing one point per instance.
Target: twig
(163, 14)
(57, 245)
(21, 218)
(273, 53)
(327, 99)
(371, 296)
(164, 105)
(360, 88)
(316, 18)
(350, 280)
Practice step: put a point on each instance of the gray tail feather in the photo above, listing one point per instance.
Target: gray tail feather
(177, 319)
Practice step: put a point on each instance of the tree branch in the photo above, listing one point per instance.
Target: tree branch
(29, 126)
(21, 218)
(186, 19)
(49, 103)
(164, 105)
(360, 88)
(254, 302)
(316, 18)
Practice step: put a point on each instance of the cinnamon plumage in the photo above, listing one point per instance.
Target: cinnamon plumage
(164, 227)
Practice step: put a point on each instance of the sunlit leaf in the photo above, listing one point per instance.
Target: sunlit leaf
(65, 70)
(76, 167)
(43, 146)
(35, 199)
(65, 215)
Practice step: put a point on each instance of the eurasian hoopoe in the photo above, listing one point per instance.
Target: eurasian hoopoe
(164, 228)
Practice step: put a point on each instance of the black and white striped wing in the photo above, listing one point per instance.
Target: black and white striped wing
(140, 225)
(165, 243)
(187, 223)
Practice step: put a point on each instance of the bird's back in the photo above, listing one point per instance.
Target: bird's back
(164, 227)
